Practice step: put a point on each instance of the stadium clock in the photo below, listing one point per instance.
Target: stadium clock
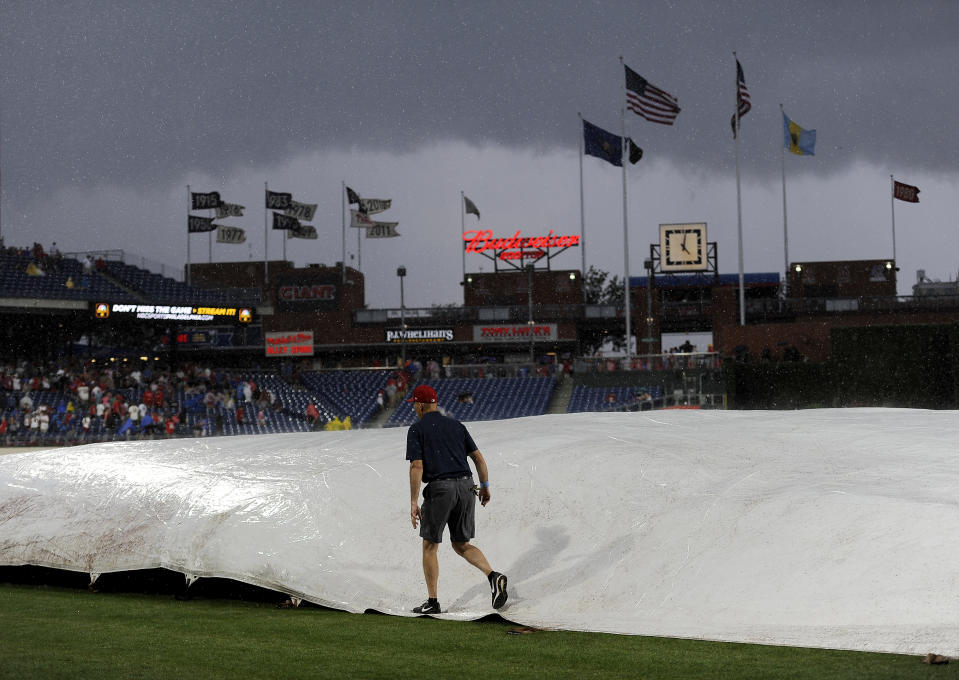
(682, 247)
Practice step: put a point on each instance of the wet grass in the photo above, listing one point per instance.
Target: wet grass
(61, 632)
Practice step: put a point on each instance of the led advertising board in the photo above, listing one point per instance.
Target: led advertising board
(113, 310)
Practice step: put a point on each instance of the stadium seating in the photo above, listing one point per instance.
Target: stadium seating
(157, 288)
(492, 399)
(347, 393)
(336, 394)
(591, 399)
(67, 282)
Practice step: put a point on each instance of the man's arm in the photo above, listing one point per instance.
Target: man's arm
(416, 479)
(483, 475)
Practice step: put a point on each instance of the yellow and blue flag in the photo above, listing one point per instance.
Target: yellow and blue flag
(798, 141)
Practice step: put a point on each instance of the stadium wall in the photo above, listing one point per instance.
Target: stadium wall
(914, 366)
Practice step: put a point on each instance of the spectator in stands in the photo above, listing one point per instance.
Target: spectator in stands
(13, 423)
(312, 414)
(645, 400)
(33, 422)
(391, 391)
(44, 419)
(133, 413)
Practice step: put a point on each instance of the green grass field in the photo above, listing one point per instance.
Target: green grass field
(56, 632)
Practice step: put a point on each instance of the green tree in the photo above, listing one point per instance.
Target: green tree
(603, 289)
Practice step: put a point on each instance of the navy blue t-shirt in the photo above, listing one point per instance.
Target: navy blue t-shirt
(442, 443)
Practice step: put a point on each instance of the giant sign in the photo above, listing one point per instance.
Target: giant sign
(515, 332)
(301, 293)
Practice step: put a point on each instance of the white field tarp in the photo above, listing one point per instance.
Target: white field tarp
(819, 528)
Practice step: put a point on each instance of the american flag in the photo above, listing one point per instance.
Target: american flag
(742, 97)
(648, 101)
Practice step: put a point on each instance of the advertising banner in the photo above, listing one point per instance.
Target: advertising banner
(419, 335)
(289, 344)
(515, 332)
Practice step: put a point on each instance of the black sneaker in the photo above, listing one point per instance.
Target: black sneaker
(428, 607)
(497, 584)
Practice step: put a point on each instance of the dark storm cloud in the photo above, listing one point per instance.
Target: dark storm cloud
(136, 94)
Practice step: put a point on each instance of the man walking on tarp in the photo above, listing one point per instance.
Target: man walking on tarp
(438, 447)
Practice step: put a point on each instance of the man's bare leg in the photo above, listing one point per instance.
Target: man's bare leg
(431, 566)
(473, 555)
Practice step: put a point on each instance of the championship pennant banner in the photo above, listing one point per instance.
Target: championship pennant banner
(382, 230)
(233, 235)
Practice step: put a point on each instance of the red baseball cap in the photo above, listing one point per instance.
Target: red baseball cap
(424, 394)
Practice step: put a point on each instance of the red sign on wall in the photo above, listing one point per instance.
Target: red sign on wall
(289, 344)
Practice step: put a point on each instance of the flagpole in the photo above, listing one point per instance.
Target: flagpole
(359, 249)
(785, 230)
(188, 206)
(629, 329)
(210, 239)
(463, 231)
(286, 234)
(739, 213)
(343, 198)
(892, 207)
(582, 210)
(266, 243)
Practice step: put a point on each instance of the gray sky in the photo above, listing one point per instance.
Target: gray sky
(110, 109)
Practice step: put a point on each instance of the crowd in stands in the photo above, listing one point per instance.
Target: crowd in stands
(77, 401)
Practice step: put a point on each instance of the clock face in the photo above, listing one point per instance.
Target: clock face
(682, 247)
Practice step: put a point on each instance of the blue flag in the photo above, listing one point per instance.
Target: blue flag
(608, 146)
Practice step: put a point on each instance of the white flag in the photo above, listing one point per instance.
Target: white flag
(301, 211)
(372, 206)
(382, 230)
(233, 235)
(360, 219)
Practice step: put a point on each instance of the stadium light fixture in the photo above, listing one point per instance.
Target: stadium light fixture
(401, 272)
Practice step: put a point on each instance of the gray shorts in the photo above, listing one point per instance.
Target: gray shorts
(448, 502)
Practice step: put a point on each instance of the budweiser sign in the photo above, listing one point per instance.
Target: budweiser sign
(517, 246)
